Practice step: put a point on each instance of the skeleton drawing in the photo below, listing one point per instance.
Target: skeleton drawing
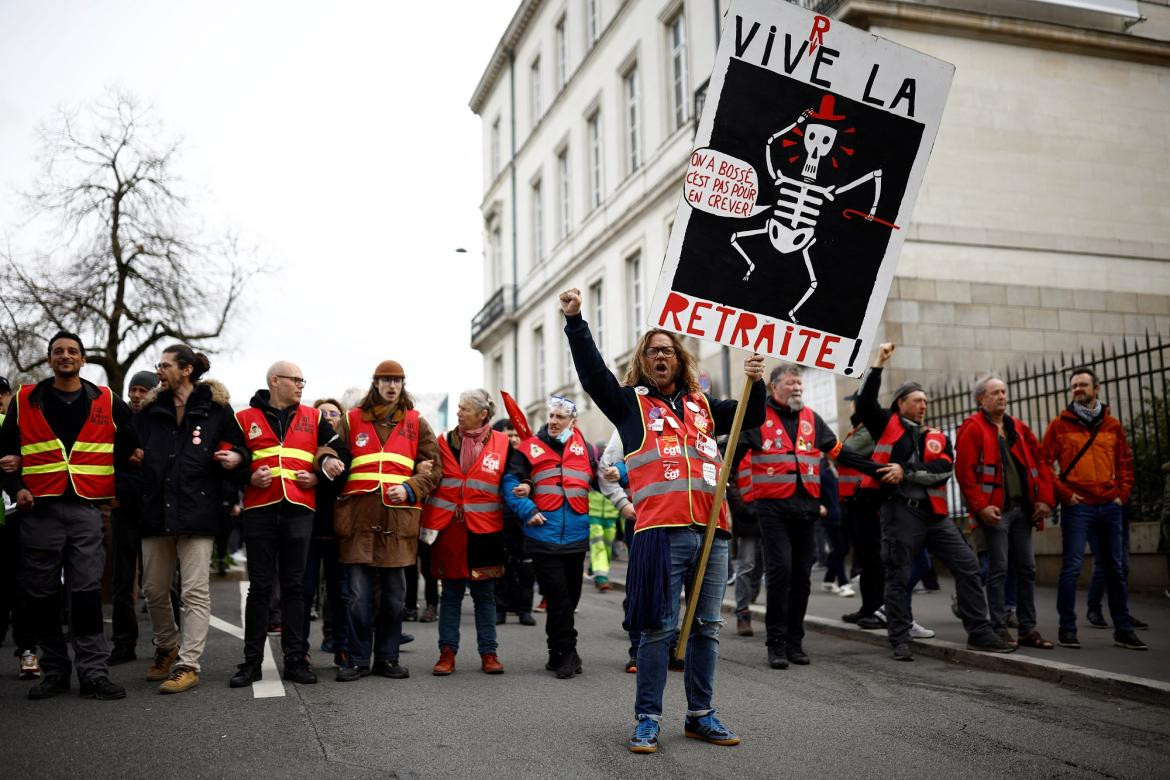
(792, 225)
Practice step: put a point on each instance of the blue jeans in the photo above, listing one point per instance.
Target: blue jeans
(1100, 525)
(483, 593)
(1097, 584)
(384, 630)
(703, 645)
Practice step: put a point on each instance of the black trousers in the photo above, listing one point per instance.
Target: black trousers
(126, 551)
(788, 559)
(560, 578)
(861, 515)
(430, 584)
(514, 591)
(276, 533)
(13, 604)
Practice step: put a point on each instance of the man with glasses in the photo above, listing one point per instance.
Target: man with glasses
(289, 444)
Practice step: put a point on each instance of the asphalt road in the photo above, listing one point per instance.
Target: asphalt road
(853, 712)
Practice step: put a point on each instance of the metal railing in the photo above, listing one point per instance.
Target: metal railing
(502, 301)
(1134, 382)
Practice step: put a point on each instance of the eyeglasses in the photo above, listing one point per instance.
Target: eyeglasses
(299, 381)
(652, 352)
(389, 380)
(330, 414)
(163, 366)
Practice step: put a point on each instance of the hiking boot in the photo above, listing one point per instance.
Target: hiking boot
(903, 652)
(160, 667)
(570, 665)
(776, 658)
(51, 685)
(709, 729)
(299, 671)
(246, 673)
(797, 655)
(102, 689)
(446, 663)
(1096, 619)
(429, 615)
(1068, 639)
(526, 619)
(391, 669)
(351, 673)
(1129, 640)
(182, 678)
(121, 655)
(743, 627)
(30, 666)
(490, 664)
(645, 739)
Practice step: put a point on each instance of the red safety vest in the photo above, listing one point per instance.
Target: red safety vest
(743, 478)
(45, 468)
(378, 466)
(559, 477)
(989, 469)
(674, 472)
(285, 458)
(777, 466)
(851, 480)
(474, 497)
(936, 447)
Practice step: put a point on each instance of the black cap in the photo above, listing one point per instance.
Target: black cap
(5, 388)
(147, 379)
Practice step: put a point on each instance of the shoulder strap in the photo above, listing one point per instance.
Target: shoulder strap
(1066, 470)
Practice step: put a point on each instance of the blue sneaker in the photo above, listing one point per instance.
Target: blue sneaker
(645, 739)
(709, 729)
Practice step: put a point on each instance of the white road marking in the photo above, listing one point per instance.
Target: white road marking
(271, 684)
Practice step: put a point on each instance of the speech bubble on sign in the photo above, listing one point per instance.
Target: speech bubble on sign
(722, 185)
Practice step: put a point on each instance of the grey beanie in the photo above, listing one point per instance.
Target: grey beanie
(906, 389)
(147, 379)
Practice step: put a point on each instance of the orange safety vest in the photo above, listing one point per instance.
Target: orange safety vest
(474, 496)
(936, 447)
(674, 471)
(743, 478)
(377, 466)
(851, 480)
(285, 458)
(780, 463)
(989, 469)
(45, 468)
(559, 477)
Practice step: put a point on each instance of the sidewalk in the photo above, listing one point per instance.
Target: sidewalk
(1097, 666)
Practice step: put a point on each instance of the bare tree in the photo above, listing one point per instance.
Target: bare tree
(125, 267)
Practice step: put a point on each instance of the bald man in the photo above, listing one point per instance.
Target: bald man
(291, 447)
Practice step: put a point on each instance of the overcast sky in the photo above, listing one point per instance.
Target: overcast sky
(335, 137)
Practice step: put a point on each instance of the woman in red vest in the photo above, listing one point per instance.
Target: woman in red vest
(464, 521)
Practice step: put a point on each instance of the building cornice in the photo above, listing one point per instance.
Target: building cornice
(931, 18)
(511, 37)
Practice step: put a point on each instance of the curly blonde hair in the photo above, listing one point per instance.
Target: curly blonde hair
(688, 365)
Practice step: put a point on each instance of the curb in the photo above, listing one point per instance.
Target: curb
(1140, 689)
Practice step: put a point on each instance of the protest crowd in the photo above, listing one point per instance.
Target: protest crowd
(359, 503)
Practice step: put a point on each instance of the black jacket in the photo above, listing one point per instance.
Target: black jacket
(183, 487)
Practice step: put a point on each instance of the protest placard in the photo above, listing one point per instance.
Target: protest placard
(808, 158)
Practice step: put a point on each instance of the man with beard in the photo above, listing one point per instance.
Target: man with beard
(63, 445)
(668, 429)
(785, 481)
(289, 442)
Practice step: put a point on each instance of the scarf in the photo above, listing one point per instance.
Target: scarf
(1085, 413)
(472, 446)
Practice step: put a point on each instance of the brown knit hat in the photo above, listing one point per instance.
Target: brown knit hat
(389, 368)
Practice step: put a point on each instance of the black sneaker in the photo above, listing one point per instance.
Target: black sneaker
(351, 673)
(1129, 640)
(554, 660)
(777, 658)
(992, 644)
(852, 617)
(526, 619)
(391, 669)
(1068, 639)
(121, 655)
(797, 655)
(246, 674)
(1139, 625)
(102, 689)
(410, 616)
(406, 639)
(1096, 619)
(903, 652)
(50, 685)
(299, 672)
(570, 665)
(870, 623)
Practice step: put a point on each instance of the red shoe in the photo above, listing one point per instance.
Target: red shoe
(542, 606)
(490, 664)
(446, 663)
(632, 666)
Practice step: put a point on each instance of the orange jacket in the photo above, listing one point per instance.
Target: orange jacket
(1104, 473)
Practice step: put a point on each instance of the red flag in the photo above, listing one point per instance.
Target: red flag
(519, 421)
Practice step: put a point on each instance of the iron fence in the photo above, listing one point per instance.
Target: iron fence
(1134, 381)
